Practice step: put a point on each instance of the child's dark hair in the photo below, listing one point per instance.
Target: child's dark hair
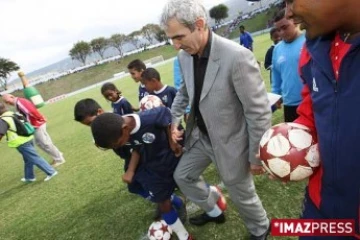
(85, 108)
(280, 15)
(107, 129)
(150, 73)
(273, 31)
(137, 64)
(109, 86)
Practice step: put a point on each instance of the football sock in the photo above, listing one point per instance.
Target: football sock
(176, 201)
(171, 218)
(215, 212)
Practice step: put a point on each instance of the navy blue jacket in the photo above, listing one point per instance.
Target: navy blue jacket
(332, 106)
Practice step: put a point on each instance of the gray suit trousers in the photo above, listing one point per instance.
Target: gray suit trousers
(188, 177)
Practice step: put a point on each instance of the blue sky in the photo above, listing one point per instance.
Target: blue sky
(36, 33)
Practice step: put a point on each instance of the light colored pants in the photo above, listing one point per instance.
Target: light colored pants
(188, 177)
(43, 140)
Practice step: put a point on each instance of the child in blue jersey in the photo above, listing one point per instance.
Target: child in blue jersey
(159, 155)
(152, 81)
(136, 67)
(119, 104)
(85, 111)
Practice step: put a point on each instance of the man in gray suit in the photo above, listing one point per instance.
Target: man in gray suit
(229, 114)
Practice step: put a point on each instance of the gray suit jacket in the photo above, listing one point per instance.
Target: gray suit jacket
(233, 103)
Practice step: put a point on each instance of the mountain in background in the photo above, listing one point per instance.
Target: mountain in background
(235, 7)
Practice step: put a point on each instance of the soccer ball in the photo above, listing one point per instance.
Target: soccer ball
(159, 231)
(289, 152)
(149, 102)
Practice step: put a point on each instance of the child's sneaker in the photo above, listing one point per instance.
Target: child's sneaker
(50, 176)
(28, 180)
(221, 202)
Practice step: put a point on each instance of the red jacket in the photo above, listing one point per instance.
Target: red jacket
(29, 110)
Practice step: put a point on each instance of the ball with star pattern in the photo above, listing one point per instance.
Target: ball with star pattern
(159, 230)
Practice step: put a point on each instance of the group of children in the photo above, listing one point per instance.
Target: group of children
(143, 140)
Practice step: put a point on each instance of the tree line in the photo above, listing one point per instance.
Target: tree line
(150, 32)
(82, 49)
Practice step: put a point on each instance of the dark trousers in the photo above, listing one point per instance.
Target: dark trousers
(290, 113)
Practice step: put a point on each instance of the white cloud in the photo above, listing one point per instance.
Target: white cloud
(37, 33)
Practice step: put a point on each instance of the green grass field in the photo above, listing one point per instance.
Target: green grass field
(87, 200)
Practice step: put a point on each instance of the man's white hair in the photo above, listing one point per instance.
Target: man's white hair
(184, 11)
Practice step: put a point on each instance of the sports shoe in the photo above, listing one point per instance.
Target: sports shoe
(57, 163)
(50, 176)
(28, 180)
(221, 202)
(203, 219)
(262, 237)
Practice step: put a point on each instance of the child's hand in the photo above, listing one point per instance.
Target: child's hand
(127, 177)
(177, 148)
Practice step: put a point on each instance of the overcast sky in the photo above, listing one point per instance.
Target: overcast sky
(36, 33)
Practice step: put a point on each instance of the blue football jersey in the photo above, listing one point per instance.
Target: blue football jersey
(151, 133)
(122, 107)
(167, 95)
(142, 92)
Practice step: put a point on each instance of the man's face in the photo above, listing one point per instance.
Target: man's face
(318, 17)
(8, 99)
(183, 38)
(135, 74)
(242, 30)
(287, 29)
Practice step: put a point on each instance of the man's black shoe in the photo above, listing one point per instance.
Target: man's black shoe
(204, 218)
(262, 237)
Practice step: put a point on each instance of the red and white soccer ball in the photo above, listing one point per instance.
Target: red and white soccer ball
(149, 102)
(159, 230)
(289, 152)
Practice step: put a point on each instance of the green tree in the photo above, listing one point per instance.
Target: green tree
(117, 41)
(149, 31)
(134, 39)
(6, 67)
(160, 35)
(99, 45)
(219, 13)
(80, 51)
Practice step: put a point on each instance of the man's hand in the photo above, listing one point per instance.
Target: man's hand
(176, 134)
(128, 176)
(177, 148)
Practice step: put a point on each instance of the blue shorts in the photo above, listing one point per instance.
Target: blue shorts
(159, 186)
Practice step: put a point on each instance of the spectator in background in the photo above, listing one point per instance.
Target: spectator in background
(25, 146)
(177, 82)
(42, 138)
(284, 72)
(136, 67)
(245, 38)
(275, 37)
(152, 81)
